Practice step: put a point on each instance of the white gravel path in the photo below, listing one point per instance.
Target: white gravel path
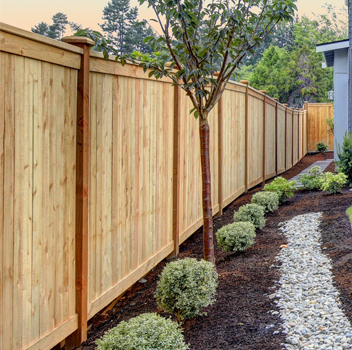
(308, 301)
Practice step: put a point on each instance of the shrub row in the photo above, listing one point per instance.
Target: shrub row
(316, 180)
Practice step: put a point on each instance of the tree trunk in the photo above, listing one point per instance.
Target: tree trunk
(208, 246)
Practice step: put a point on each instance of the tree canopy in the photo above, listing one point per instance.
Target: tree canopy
(292, 72)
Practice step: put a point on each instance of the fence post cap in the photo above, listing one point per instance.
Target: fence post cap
(285, 104)
(245, 82)
(74, 40)
(263, 91)
(275, 99)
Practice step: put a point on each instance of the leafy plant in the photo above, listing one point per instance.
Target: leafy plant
(333, 183)
(344, 164)
(284, 189)
(253, 213)
(313, 180)
(268, 200)
(322, 147)
(147, 331)
(186, 286)
(330, 123)
(236, 237)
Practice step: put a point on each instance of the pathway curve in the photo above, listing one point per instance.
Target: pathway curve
(308, 301)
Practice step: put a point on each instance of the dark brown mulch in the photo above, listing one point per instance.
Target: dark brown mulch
(241, 317)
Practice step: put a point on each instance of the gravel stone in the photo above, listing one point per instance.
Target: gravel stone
(308, 301)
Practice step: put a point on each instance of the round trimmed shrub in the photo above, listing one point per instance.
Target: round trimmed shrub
(268, 200)
(253, 213)
(147, 331)
(236, 237)
(284, 189)
(186, 286)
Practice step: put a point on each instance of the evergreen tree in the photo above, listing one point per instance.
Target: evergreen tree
(55, 30)
(123, 28)
(41, 28)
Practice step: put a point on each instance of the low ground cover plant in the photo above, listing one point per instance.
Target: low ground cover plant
(186, 286)
(253, 213)
(146, 331)
(333, 182)
(236, 237)
(322, 147)
(284, 189)
(268, 200)
(313, 180)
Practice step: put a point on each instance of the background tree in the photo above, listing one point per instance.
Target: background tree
(294, 74)
(41, 28)
(123, 29)
(57, 29)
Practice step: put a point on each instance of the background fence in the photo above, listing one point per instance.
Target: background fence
(100, 181)
(318, 130)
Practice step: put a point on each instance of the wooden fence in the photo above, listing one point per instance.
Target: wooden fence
(317, 126)
(100, 178)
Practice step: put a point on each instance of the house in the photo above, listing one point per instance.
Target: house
(336, 55)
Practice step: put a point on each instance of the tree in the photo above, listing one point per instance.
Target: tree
(123, 29)
(194, 37)
(41, 28)
(294, 74)
(55, 30)
(198, 41)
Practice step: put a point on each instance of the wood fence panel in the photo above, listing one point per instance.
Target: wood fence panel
(295, 146)
(289, 138)
(233, 145)
(131, 169)
(255, 139)
(300, 137)
(281, 146)
(305, 133)
(317, 126)
(132, 179)
(38, 197)
(190, 176)
(270, 141)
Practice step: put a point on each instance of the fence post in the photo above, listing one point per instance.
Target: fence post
(82, 171)
(246, 181)
(176, 177)
(276, 134)
(264, 134)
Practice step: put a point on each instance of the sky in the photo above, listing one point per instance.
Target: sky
(25, 14)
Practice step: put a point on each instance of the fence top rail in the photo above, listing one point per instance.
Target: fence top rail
(39, 38)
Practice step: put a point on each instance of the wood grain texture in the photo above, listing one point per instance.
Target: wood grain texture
(32, 49)
(317, 126)
(38, 181)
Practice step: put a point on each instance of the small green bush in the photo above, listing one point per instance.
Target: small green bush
(253, 213)
(268, 200)
(147, 331)
(313, 180)
(284, 189)
(344, 164)
(333, 183)
(186, 286)
(322, 147)
(236, 237)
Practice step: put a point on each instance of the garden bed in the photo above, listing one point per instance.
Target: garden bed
(241, 317)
